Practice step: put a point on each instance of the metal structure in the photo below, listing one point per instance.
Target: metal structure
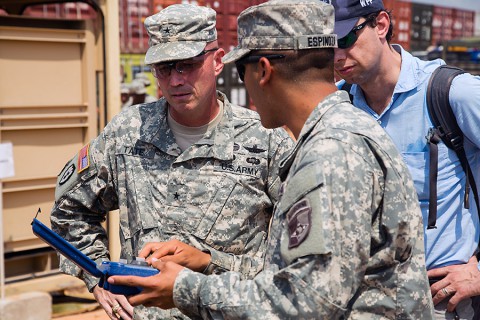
(57, 90)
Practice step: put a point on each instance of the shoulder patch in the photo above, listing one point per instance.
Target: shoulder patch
(67, 174)
(299, 219)
(83, 158)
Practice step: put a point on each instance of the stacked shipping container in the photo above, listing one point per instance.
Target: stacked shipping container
(417, 26)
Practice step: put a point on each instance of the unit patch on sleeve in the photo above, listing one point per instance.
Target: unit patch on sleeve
(83, 158)
(299, 219)
(67, 174)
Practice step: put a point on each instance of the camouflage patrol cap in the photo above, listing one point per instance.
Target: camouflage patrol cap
(137, 87)
(348, 12)
(124, 88)
(143, 77)
(180, 31)
(284, 25)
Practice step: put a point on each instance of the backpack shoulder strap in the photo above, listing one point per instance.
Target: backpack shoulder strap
(439, 108)
(447, 130)
(346, 87)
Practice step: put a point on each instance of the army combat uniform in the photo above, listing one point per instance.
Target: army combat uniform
(346, 240)
(217, 195)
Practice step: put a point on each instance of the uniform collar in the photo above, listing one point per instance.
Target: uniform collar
(217, 142)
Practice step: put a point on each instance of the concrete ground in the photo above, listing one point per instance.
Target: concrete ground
(98, 314)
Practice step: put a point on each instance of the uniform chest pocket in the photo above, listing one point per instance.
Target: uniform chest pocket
(195, 202)
(135, 200)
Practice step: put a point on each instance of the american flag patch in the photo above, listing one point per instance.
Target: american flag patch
(83, 159)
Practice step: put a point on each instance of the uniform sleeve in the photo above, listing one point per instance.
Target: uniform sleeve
(465, 101)
(247, 265)
(317, 272)
(84, 194)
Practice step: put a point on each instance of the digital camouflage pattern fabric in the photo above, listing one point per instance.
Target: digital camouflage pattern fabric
(265, 27)
(346, 239)
(178, 32)
(217, 195)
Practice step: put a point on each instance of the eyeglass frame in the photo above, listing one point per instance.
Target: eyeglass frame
(178, 65)
(240, 63)
(353, 33)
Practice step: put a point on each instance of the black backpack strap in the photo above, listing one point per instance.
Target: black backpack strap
(445, 128)
(347, 87)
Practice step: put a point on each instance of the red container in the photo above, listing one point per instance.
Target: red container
(442, 22)
(226, 22)
(227, 6)
(401, 15)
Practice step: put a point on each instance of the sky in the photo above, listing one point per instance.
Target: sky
(461, 4)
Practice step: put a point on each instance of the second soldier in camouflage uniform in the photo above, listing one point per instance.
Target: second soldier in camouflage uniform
(190, 167)
(346, 239)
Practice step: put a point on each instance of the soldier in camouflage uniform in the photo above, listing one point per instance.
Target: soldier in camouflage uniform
(190, 168)
(346, 239)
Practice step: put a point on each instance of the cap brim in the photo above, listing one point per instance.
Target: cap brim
(234, 55)
(171, 51)
(342, 28)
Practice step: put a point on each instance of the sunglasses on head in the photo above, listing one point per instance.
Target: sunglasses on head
(351, 37)
(240, 64)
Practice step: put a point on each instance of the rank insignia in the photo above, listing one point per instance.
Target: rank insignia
(299, 219)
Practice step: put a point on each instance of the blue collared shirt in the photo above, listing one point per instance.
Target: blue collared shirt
(407, 122)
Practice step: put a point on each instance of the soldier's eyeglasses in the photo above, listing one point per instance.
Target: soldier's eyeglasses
(351, 37)
(240, 64)
(163, 70)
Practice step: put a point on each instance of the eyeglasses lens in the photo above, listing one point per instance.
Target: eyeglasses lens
(347, 41)
(163, 70)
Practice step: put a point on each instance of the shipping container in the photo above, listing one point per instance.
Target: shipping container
(463, 23)
(442, 23)
(401, 14)
(421, 26)
(62, 65)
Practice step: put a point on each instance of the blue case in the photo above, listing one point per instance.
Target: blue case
(103, 271)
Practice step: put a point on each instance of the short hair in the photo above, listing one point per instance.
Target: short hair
(373, 22)
(304, 65)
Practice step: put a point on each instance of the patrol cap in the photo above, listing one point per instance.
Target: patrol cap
(180, 31)
(124, 88)
(137, 87)
(143, 77)
(348, 12)
(284, 25)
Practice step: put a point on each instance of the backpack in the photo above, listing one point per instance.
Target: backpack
(445, 129)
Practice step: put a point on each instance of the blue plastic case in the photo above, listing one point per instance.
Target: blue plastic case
(103, 271)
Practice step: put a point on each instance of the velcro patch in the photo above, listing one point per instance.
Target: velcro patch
(83, 158)
(299, 219)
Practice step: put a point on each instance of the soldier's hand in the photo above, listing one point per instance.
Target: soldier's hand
(157, 290)
(178, 252)
(116, 306)
(459, 282)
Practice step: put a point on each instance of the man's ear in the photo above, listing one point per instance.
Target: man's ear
(265, 71)
(217, 61)
(383, 23)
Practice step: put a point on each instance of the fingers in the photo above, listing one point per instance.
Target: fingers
(442, 294)
(165, 249)
(159, 264)
(438, 272)
(115, 306)
(149, 248)
(126, 306)
(132, 281)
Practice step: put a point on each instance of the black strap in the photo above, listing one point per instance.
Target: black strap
(346, 87)
(445, 128)
(433, 139)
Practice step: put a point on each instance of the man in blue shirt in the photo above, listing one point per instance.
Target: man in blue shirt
(390, 84)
